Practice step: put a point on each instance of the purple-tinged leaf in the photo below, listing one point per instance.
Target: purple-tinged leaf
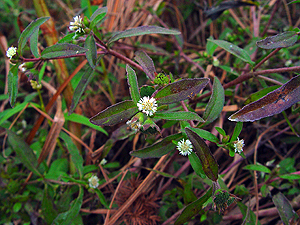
(282, 40)
(216, 102)
(114, 114)
(158, 149)
(179, 116)
(146, 63)
(210, 166)
(133, 84)
(61, 50)
(273, 103)
(91, 54)
(259, 94)
(28, 31)
(181, 90)
(193, 209)
(13, 84)
(284, 208)
(137, 31)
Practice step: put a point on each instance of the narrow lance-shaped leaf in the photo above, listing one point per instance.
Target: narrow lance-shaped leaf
(24, 152)
(205, 135)
(233, 49)
(133, 84)
(216, 102)
(13, 84)
(193, 209)
(98, 16)
(273, 103)
(236, 132)
(61, 50)
(179, 116)
(158, 149)
(282, 40)
(137, 31)
(28, 31)
(114, 114)
(91, 54)
(284, 208)
(196, 165)
(210, 166)
(146, 63)
(181, 90)
(34, 43)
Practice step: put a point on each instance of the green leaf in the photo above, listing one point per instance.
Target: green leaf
(271, 104)
(114, 114)
(257, 167)
(196, 164)
(284, 208)
(83, 120)
(68, 216)
(101, 198)
(61, 50)
(97, 17)
(68, 38)
(24, 152)
(74, 152)
(158, 149)
(193, 209)
(236, 132)
(181, 90)
(5, 115)
(233, 49)
(179, 116)
(137, 31)
(249, 218)
(210, 166)
(133, 84)
(84, 81)
(13, 84)
(221, 131)
(34, 43)
(290, 176)
(91, 54)
(57, 169)
(146, 63)
(283, 40)
(206, 135)
(210, 46)
(259, 94)
(48, 210)
(28, 32)
(216, 102)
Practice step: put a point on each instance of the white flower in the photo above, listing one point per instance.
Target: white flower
(185, 147)
(238, 145)
(103, 162)
(134, 125)
(77, 25)
(94, 181)
(22, 67)
(147, 105)
(11, 51)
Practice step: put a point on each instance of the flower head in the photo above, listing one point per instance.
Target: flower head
(77, 25)
(11, 52)
(185, 147)
(147, 105)
(238, 145)
(103, 162)
(134, 125)
(94, 181)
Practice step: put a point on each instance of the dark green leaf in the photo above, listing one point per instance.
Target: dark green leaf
(83, 120)
(181, 90)
(210, 166)
(237, 130)
(233, 49)
(133, 84)
(13, 84)
(179, 116)
(196, 164)
(216, 102)
(62, 49)
(158, 149)
(114, 114)
(101, 198)
(137, 31)
(68, 216)
(271, 104)
(24, 152)
(257, 167)
(193, 209)
(206, 135)
(210, 46)
(284, 208)
(98, 12)
(28, 31)
(74, 152)
(98, 17)
(34, 43)
(248, 215)
(146, 63)
(10, 112)
(48, 210)
(91, 54)
(282, 40)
